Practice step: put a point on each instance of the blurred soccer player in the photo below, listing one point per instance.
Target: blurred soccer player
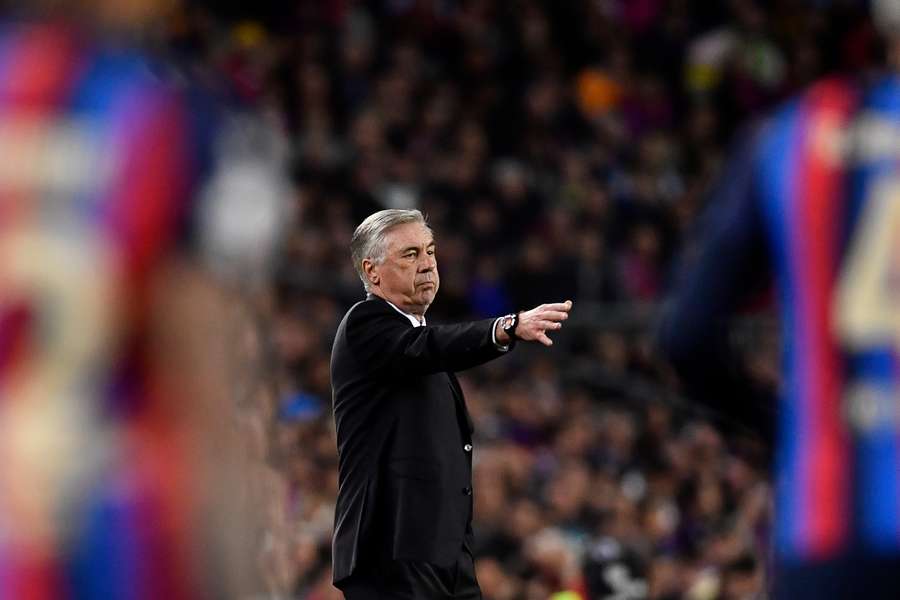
(815, 198)
(113, 427)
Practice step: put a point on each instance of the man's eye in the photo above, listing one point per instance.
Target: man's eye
(431, 253)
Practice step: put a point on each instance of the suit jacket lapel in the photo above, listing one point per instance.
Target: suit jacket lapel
(462, 413)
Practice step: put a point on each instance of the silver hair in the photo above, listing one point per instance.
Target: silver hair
(368, 240)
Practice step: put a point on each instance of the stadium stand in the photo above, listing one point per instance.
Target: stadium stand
(556, 146)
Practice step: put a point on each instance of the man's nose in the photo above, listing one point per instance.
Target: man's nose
(427, 263)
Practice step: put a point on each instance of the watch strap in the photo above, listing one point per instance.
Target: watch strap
(511, 321)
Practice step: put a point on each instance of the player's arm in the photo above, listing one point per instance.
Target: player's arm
(729, 263)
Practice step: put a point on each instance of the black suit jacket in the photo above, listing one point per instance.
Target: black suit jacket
(403, 436)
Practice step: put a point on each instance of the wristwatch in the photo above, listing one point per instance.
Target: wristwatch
(508, 324)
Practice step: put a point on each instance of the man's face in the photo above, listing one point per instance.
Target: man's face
(408, 276)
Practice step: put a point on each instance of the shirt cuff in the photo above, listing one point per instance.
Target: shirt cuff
(494, 337)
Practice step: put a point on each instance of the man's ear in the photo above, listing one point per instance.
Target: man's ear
(371, 271)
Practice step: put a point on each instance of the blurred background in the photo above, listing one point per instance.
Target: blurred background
(560, 150)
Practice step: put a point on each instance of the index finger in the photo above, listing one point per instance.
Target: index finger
(551, 315)
(558, 306)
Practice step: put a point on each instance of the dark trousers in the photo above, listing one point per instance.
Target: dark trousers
(414, 580)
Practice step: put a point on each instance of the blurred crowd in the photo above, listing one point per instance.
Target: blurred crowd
(561, 150)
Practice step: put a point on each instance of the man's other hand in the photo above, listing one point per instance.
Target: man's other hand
(534, 324)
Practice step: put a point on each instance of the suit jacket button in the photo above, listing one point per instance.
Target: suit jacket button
(467, 447)
(467, 491)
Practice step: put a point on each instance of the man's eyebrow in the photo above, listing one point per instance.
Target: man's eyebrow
(408, 248)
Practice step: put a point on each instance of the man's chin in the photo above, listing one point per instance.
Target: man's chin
(426, 295)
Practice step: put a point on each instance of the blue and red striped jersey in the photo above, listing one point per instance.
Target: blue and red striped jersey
(813, 198)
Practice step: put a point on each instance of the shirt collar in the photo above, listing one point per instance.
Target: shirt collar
(412, 318)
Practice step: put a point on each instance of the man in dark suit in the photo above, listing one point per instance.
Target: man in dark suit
(404, 436)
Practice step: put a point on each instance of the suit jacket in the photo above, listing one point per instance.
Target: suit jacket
(404, 436)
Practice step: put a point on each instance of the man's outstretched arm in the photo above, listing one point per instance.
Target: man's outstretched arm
(384, 343)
